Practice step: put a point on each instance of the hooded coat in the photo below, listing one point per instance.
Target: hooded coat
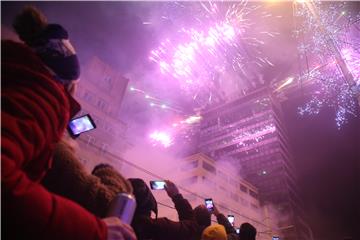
(69, 178)
(35, 111)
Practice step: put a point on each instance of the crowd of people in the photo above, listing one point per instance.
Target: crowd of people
(46, 191)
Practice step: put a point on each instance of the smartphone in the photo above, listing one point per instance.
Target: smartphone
(81, 124)
(209, 204)
(237, 230)
(231, 219)
(157, 185)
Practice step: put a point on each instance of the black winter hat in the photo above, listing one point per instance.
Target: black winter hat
(145, 201)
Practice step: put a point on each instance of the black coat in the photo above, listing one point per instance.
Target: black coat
(165, 229)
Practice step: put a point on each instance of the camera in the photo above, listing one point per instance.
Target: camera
(209, 204)
(157, 185)
(81, 124)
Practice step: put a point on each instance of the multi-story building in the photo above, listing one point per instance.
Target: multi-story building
(200, 177)
(249, 133)
(100, 93)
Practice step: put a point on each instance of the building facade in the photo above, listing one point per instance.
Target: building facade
(199, 177)
(100, 93)
(249, 133)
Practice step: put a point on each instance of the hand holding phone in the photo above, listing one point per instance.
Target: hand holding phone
(157, 185)
(209, 204)
(171, 189)
(81, 124)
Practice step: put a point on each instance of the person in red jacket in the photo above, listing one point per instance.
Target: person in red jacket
(35, 110)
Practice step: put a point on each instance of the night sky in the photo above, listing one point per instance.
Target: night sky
(327, 159)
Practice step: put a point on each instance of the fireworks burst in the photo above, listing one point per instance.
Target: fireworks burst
(219, 40)
(329, 42)
(161, 137)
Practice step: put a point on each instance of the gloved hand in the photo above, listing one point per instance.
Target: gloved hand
(117, 230)
(171, 188)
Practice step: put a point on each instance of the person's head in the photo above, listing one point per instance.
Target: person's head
(202, 215)
(29, 23)
(214, 232)
(247, 232)
(145, 201)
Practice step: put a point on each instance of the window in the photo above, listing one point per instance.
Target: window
(209, 182)
(107, 83)
(223, 188)
(104, 147)
(189, 166)
(91, 140)
(234, 196)
(233, 182)
(88, 96)
(253, 194)
(244, 202)
(254, 206)
(189, 181)
(243, 188)
(209, 167)
(102, 105)
(223, 176)
(110, 129)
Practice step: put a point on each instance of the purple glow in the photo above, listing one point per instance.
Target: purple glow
(218, 41)
(161, 137)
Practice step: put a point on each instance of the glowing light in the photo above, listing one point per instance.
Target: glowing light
(160, 137)
(132, 88)
(192, 119)
(243, 138)
(163, 106)
(287, 81)
(221, 41)
(329, 42)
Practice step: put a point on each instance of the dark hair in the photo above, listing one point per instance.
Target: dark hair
(202, 216)
(29, 23)
(145, 201)
(247, 231)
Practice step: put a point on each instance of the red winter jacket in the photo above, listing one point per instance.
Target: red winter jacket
(34, 114)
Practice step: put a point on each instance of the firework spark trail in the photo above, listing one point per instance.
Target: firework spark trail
(195, 57)
(156, 102)
(329, 43)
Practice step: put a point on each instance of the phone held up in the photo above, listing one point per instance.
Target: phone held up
(209, 204)
(81, 124)
(231, 219)
(157, 185)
